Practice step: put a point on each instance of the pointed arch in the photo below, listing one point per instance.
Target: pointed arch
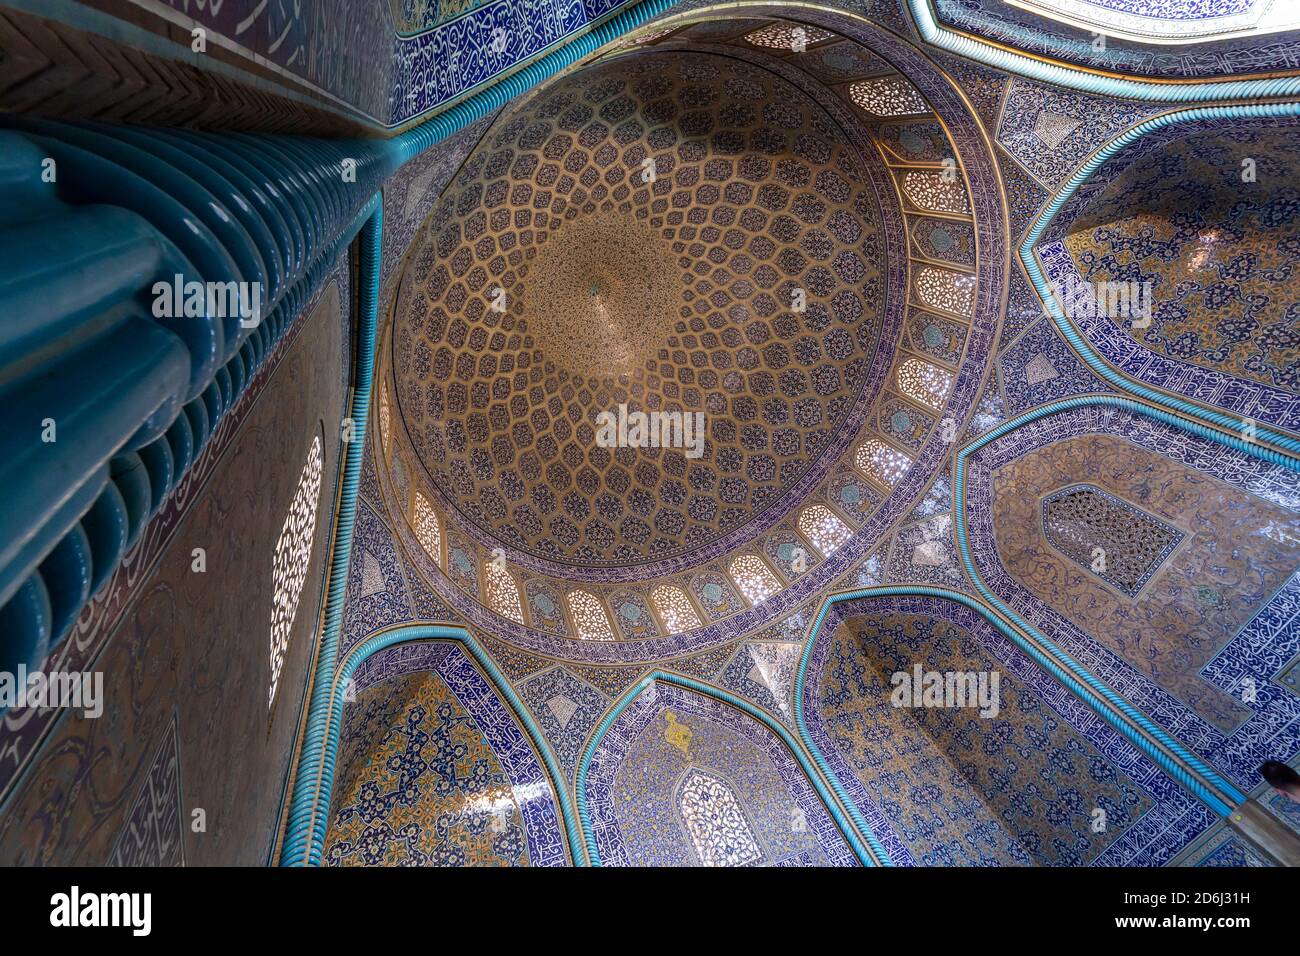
(824, 528)
(662, 693)
(753, 577)
(675, 609)
(590, 621)
(501, 591)
(308, 818)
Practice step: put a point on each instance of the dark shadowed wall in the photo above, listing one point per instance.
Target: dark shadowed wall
(186, 724)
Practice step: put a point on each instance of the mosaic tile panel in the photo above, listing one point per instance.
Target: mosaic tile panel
(434, 769)
(659, 744)
(905, 423)
(438, 65)
(566, 709)
(399, 803)
(915, 142)
(1186, 668)
(1040, 368)
(632, 614)
(546, 607)
(1170, 630)
(764, 673)
(610, 681)
(943, 240)
(936, 335)
(153, 833)
(1214, 251)
(789, 553)
(376, 595)
(1024, 30)
(1075, 762)
(703, 666)
(853, 496)
(1223, 847)
(924, 553)
(1050, 131)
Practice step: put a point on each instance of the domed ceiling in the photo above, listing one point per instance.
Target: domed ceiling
(644, 234)
(761, 223)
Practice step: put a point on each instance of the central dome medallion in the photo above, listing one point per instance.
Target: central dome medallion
(678, 232)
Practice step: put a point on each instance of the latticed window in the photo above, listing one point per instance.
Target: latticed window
(791, 37)
(941, 289)
(754, 578)
(823, 528)
(428, 530)
(290, 559)
(881, 462)
(928, 189)
(888, 96)
(675, 608)
(589, 617)
(502, 592)
(385, 421)
(713, 818)
(924, 382)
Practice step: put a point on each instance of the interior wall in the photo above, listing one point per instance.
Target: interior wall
(186, 672)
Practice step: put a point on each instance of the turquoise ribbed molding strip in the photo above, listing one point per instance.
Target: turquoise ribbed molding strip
(1183, 763)
(1076, 79)
(1218, 419)
(1176, 761)
(310, 826)
(303, 834)
(871, 854)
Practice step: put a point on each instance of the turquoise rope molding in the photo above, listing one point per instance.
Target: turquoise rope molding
(308, 845)
(873, 854)
(315, 758)
(1078, 79)
(1079, 343)
(1074, 676)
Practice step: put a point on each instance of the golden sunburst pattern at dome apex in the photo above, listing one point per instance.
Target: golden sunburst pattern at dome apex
(637, 233)
(600, 295)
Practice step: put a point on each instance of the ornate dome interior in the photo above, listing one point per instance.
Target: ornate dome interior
(627, 433)
(658, 288)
